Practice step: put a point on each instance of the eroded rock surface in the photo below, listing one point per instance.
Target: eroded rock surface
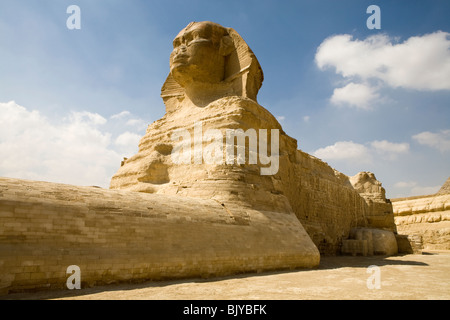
(427, 217)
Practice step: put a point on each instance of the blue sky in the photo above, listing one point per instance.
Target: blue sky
(74, 102)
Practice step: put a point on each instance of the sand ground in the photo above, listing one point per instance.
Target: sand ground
(405, 277)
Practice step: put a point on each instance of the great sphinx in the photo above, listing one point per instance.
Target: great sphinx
(220, 208)
(214, 80)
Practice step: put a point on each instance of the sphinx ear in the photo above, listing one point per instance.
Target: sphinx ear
(226, 46)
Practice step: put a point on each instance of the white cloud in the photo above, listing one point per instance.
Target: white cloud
(440, 140)
(412, 188)
(128, 143)
(306, 118)
(138, 124)
(355, 95)
(281, 118)
(403, 184)
(390, 149)
(78, 150)
(386, 146)
(344, 150)
(86, 118)
(420, 62)
(121, 115)
(364, 153)
(128, 138)
(126, 118)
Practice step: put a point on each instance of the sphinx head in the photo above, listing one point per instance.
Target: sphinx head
(199, 53)
(212, 60)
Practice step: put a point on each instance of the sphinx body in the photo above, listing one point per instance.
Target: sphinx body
(214, 79)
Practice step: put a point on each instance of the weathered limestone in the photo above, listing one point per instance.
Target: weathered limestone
(323, 199)
(380, 213)
(427, 217)
(115, 235)
(411, 244)
(354, 247)
(368, 241)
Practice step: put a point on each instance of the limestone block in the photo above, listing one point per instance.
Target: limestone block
(363, 234)
(425, 204)
(384, 242)
(354, 247)
(427, 217)
(379, 242)
(410, 244)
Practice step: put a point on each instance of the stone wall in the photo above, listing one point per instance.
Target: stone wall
(330, 204)
(427, 217)
(116, 236)
(323, 200)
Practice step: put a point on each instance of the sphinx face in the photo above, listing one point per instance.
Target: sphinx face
(196, 54)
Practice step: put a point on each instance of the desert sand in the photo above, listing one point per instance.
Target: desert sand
(403, 277)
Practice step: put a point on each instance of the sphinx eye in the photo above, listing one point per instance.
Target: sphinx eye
(188, 38)
(195, 35)
(176, 43)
